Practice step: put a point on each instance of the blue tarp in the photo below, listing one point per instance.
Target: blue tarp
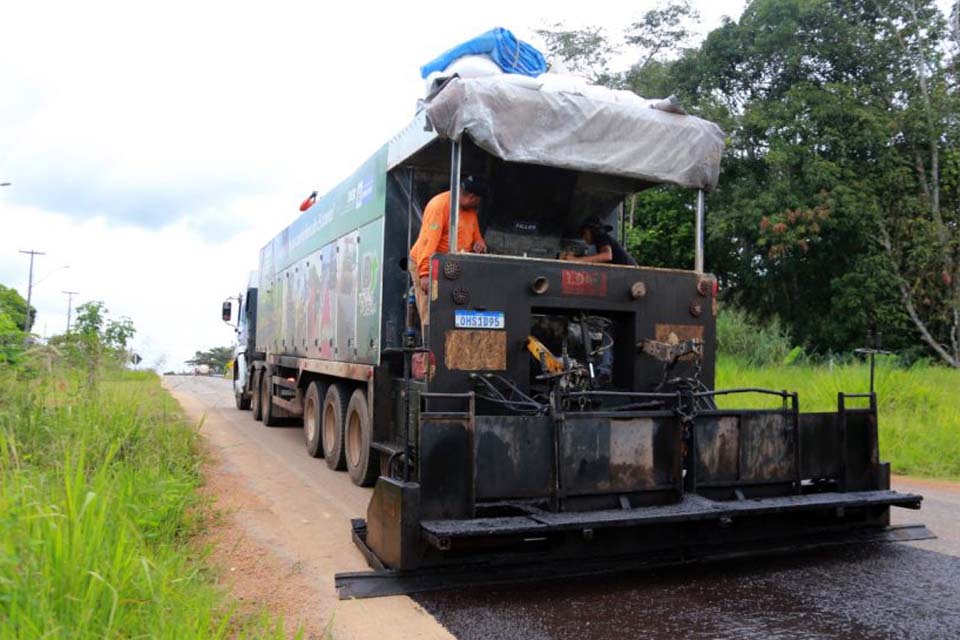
(511, 54)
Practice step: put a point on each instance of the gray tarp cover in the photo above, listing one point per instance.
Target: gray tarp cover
(520, 124)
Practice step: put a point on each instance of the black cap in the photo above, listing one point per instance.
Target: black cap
(593, 222)
(475, 185)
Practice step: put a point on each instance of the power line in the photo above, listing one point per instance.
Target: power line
(28, 322)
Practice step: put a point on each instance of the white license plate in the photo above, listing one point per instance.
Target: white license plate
(478, 319)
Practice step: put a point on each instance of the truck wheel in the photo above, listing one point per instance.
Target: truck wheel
(266, 399)
(334, 408)
(312, 418)
(255, 404)
(363, 464)
(243, 402)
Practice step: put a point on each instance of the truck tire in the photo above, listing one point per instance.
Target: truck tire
(313, 418)
(334, 410)
(255, 401)
(363, 463)
(266, 399)
(243, 402)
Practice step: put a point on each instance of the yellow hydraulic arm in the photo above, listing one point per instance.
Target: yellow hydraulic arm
(550, 363)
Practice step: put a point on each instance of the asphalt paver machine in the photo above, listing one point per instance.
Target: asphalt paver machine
(557, 417)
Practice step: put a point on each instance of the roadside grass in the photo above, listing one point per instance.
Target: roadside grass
(919, 407)
(98, 505)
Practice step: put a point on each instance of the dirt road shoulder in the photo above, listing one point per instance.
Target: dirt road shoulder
(284, 528)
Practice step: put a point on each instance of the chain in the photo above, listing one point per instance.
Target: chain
(687, 403)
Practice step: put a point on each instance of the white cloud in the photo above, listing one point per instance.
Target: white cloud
(169, 281)
(155, 148)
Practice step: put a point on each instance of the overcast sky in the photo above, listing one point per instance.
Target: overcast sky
(154, 148)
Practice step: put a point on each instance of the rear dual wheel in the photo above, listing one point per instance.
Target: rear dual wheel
(363, 463)
(334, 410)
(347, 434)
(313, 418)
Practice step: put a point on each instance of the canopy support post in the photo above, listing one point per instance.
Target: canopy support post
(455, 155)
(698, 243)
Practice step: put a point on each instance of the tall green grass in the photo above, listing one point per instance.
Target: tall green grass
(756, 343)
(919, 407)
(98, 505)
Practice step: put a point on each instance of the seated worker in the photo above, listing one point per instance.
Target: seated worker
(435, 235)
(607, 248)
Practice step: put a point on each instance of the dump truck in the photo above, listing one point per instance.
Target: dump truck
(553, 417)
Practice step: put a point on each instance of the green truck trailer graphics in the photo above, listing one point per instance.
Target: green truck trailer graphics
(320, 277)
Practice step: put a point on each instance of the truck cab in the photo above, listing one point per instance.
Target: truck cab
(244, 349)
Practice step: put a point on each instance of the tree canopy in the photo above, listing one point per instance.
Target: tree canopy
(838, 209)
(216, 358)
(14, 307)
(12, 316)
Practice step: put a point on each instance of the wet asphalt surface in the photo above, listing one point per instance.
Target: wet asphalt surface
(876, 592)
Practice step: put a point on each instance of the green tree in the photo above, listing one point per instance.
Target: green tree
(11, 339)
(586, 51)
(95, 337)
(839, 203)
(653, 40)
(13, 305)
(660, 228)
(661, 220)
(12, 316)
(840, 116)
(215, 358)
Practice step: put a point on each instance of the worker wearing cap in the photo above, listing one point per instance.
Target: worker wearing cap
(435, 235)
(607, 248)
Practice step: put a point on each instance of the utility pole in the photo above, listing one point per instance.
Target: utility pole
(28, 322)
(70, 295)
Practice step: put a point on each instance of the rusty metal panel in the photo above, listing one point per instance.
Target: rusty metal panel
(603, 455)
(392, 522)
(677, 333)
(446, 469)
(514, 456)
(718, 449)
(862, 450)
(766, 447)
(673, 334)
(503, 283)
(820, 445)
(475, 350)
(583, 282)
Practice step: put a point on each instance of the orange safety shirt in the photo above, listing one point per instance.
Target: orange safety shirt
(434, 232)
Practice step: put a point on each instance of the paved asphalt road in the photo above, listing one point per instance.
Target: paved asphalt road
(884, 591)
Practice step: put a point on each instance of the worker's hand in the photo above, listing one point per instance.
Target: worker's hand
(479, 247)
(425, 284)
(566, 255)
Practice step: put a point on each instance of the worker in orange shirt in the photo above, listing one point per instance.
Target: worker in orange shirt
(435, 235)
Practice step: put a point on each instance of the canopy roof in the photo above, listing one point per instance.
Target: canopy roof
(522, 124)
